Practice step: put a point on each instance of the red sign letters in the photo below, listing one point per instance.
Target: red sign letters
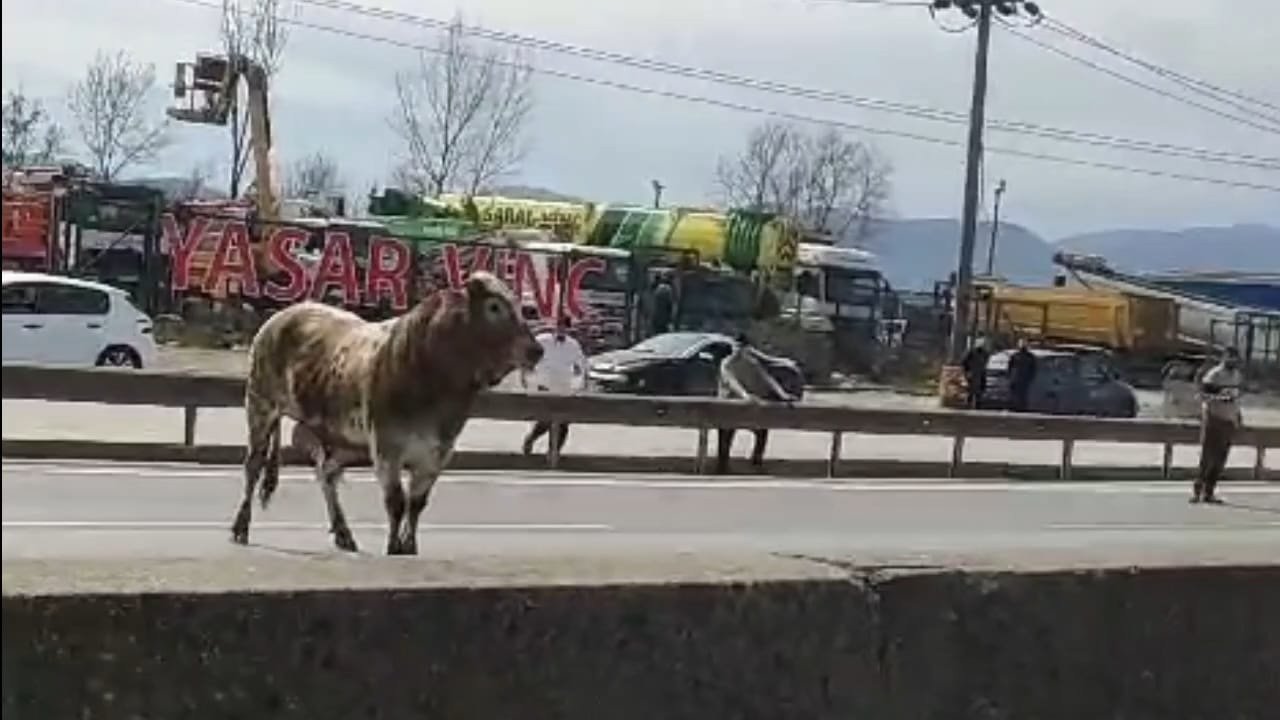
(232, 264)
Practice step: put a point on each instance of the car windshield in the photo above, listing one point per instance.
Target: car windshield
(667, 344)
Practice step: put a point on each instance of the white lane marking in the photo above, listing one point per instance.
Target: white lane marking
(678, 483)
(1257, 525)
(286, 525)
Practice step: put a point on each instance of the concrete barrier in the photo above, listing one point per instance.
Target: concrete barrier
(808, 641)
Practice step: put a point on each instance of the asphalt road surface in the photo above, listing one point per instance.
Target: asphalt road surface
(100, 510)
(37, 419)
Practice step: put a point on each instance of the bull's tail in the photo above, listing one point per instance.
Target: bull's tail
(271, 468)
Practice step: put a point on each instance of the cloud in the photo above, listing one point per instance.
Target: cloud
(334, 93)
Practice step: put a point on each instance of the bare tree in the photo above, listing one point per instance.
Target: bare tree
(114, 113)
(315, 174)
(197, 180)
(827, 182)
(461, 115)
(846, 185)
(255, 29)
(30, 136)
(764, 177)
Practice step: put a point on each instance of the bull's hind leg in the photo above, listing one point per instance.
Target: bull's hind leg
(264, 423)
(271, 471)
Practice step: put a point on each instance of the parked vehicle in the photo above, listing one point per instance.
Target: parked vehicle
(680, 363)
(55, 320)
(1068, 381)
(1180, 385)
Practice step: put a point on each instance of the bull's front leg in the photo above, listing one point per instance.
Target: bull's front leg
(329, 470)
(422, 479)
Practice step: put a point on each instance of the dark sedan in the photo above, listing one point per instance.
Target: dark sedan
(680, 363)
(1071, 381)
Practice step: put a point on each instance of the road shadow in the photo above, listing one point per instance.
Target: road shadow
(1265, 509)
(299, 552)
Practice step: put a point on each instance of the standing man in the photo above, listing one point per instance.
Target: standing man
(1219, 418)
(562, 370)
(744, 377)
(663, 305)
(1022, 372)
(975, 372)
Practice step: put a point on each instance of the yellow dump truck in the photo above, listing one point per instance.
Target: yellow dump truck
(1115, 320)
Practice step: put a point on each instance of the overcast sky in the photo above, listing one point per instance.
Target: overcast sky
(334, 93)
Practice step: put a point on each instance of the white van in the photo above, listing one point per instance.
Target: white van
(55, 320)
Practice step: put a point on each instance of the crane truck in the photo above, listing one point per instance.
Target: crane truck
(210, 88)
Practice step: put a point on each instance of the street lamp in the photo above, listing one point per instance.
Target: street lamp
(995, 228)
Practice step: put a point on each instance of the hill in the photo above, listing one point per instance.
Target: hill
(917, 253)
(1238, 248)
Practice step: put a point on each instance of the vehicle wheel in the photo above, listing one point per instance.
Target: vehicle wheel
(1130, 409)
(120, 356)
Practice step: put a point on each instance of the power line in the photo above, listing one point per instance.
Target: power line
(915, 111)
(886, 3)
(1201, 86)
(907, 135)
(1136, 83)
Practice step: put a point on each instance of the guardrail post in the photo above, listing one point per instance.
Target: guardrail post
(1166, 464)
(1068, 447)
(189, 425)
(957, 456)
(833, 460)
(701, 461)
(1259, 462)
(553, 445)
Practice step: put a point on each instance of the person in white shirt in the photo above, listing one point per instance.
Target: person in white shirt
(563, 369)
(1219, 418)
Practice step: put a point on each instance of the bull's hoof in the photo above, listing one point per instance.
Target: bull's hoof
(240, 536)
(344, 541)
(402, 546)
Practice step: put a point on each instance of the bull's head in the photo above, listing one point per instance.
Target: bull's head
(500, 339)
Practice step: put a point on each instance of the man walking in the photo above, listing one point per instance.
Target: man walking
(1219, 418)
(975, 372)
(1022, 372)
(561, 370)
(744, 377)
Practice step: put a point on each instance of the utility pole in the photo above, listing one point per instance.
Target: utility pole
(995, 228)
(979, 11)
(657, 193)
(969, 220)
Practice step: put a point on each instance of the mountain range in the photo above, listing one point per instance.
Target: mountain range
(916, 253)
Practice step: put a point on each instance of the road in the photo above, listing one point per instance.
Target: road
(38, 419)
(99, 510)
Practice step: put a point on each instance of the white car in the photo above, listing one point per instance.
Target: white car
(55, 320)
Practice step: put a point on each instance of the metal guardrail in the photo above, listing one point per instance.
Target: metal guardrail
(192, 391)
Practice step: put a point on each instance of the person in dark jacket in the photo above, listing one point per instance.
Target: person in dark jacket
(1022, 372)
(975, 372)
(663, 306)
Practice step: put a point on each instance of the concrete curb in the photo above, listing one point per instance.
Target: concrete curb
(1195, 642)
(143, 452)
